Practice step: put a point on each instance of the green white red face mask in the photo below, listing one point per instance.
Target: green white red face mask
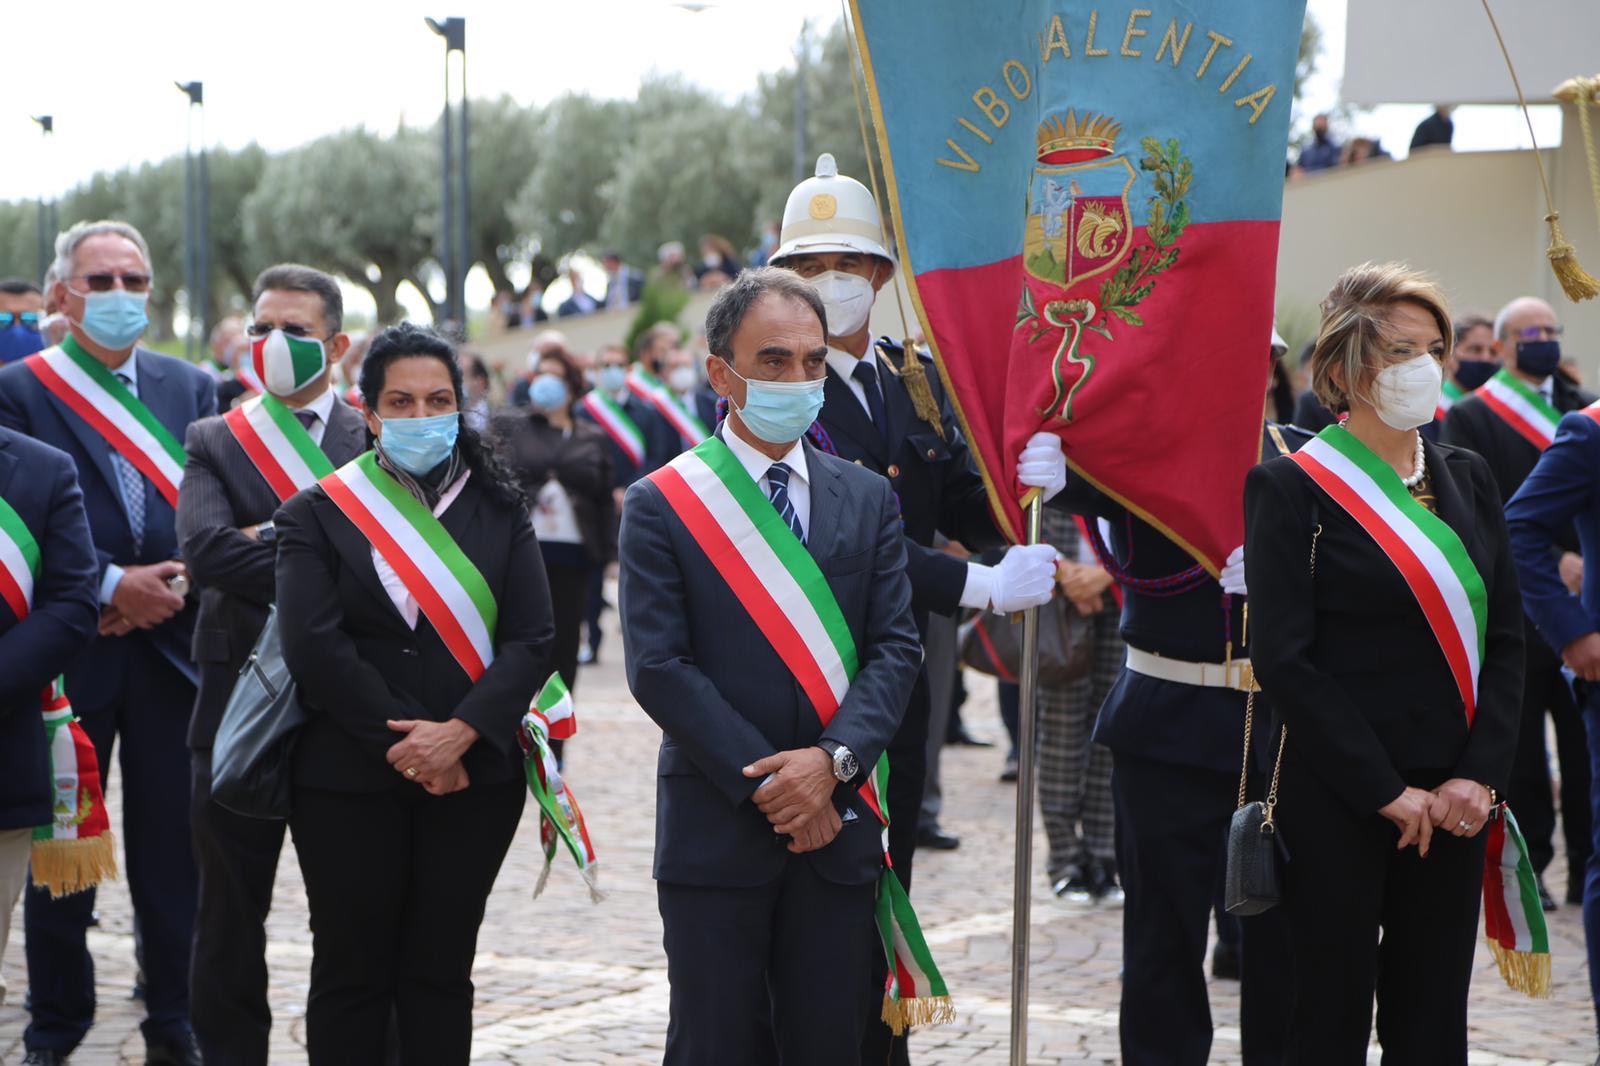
(286, 364)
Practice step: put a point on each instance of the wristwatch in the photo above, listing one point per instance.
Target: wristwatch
(845, 766)
(267, 532)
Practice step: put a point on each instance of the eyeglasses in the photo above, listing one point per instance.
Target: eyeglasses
(27, 319)
(107, 282)
(261, 329)
(1535, 333)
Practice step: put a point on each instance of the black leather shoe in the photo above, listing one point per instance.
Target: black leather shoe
(959, 735)
(183, 1052)
(1546, 900)
(931, 836)
(43, 1057)
(1009, 773)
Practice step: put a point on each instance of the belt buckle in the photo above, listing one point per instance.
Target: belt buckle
(1247, 678)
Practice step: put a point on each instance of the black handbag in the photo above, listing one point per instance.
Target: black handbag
(992, 644)
(1256, 851)
(251, 759)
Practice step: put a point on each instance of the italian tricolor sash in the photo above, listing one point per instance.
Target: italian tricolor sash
(1451, 593)
(552, 717)
(1593, 410)
(95, 395)
(786, 595)
(1522, 406)
(75, 849)
(1449, 393)
(446, 585)
(1422, 546)
(279, 446)
(648, 388)
(609, 416)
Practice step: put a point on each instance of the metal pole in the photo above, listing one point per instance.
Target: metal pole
(188, 235)
(464, 194)
(446, 217)
(1022, 873)
(802, 166)
(203, 239)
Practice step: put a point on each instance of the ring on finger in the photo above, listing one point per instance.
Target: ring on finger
(411, 771)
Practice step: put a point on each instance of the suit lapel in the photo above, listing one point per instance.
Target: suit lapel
(843, 415)
(346, 434)
(8, 467)
(1450, 494)
(826, 501)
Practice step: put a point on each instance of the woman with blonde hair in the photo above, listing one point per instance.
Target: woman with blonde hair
(1387, 631)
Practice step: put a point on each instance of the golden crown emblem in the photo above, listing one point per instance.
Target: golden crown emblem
(1096, 133)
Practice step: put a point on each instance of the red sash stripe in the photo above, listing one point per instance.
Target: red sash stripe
(11, 593)
(1524, 428)
(259, 454)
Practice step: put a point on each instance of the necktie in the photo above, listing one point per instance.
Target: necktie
(307, 419)
(867, 374)
(132, 484)
(778, 493)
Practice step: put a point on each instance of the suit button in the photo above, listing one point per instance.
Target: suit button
(894, 471)
(932, 455)
(410, 651)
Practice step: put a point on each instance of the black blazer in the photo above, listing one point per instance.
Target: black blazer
(534, 450)
(41, 486)
(938, 487)
(706, 675)
(223, 492)
(1346, 654)
(358, 664)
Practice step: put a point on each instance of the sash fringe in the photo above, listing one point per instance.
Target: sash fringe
(68, 866)
(1523, 971)
(902, 1014)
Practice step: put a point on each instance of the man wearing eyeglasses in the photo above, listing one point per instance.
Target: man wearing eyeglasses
(121, 412)
(21, 312)
(1510, 420)
(231, 486)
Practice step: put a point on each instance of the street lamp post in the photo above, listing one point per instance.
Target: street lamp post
(47, 207)
(196, 221)
(455, 207)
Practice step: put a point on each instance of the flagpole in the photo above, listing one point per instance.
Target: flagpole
(1022, 872)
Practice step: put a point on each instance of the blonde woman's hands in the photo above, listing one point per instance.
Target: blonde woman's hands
(1413, 812)
(1467, 807)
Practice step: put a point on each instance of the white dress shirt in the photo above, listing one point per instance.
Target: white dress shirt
(113, 575)
(403, 600)
(756, 464)
(322, 407)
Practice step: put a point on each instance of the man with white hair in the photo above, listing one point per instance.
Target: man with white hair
(121, 413)
(1510, 420)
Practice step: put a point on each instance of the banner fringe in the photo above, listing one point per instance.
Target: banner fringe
(68, 866)
(901, 1014)
(1523, 971)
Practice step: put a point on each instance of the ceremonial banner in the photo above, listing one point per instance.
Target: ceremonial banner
(1086, 198)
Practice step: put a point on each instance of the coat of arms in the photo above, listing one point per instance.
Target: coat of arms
(1080, 226)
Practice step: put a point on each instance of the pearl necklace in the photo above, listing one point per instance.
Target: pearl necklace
(1419, 470)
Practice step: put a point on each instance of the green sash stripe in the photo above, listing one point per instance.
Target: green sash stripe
(123, 395)
(12, 526)
(315, 458)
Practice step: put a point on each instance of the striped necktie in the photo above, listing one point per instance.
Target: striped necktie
(778, 493)
(132, 484)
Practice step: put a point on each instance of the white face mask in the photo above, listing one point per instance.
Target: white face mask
(1406, 395)
(682, 379)
(847, 298)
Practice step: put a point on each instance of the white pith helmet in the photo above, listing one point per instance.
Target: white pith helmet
(831, 213)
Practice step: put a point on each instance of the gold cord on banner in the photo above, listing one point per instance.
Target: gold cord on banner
(1576, 282)
(1584, 93)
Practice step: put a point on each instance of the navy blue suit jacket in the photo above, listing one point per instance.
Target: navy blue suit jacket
(1561, 493)
(177, 394)
(724, 699)
(41, 486)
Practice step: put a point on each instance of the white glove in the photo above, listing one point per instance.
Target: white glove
(1025, 577)
(1042, 464)
(1232, 576)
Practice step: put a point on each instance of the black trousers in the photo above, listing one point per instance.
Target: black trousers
(1171, 845)
(1528, 791)
(1345, 884)
(593, 604)
(149, 721)
(768, 975)
(238, 862)
(397, 883)
(569, 591)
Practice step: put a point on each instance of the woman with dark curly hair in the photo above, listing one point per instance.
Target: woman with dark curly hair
(416, 621)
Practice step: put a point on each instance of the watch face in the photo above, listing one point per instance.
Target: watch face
(845, 767)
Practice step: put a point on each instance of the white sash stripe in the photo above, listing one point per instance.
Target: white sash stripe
(603, 413)
(774, 576)
(113, 411)
(278, 444)
(11, 558)
(426, 559)
(1527, 411)
(64, 781)
(1438, 567)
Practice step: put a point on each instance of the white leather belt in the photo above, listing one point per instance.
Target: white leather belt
(1237, 675)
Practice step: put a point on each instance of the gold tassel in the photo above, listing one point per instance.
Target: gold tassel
(1523, 971)
(1576, 282)
(901, 1014)
(68, 866)
(915, 376)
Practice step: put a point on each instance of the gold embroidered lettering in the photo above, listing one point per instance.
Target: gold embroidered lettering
(1054, 40)
(1088, 42)
(1258, 101)
(1171, 39)
(1131, 32)
(982, 136)
(1217, 41)
(1238, 70)
(1027, 82)
(968, 164)
(990, 104)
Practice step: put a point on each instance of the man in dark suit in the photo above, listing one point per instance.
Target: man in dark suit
(580, 302)
(623, 283)
(1527, 344)
(58, 614)
(225, 524)
(766, 855)
(694, 395)
(134, 684)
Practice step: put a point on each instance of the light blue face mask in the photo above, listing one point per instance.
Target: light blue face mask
(115, 320)
(417, 445)
(547, 393)
(779, 412)
(613, 378)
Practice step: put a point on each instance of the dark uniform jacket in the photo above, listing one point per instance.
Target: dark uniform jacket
(223, 492)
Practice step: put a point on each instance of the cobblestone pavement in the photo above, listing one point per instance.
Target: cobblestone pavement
(562, 981)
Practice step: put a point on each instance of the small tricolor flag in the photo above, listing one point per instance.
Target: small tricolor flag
(560, 818)
(1513, 918)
